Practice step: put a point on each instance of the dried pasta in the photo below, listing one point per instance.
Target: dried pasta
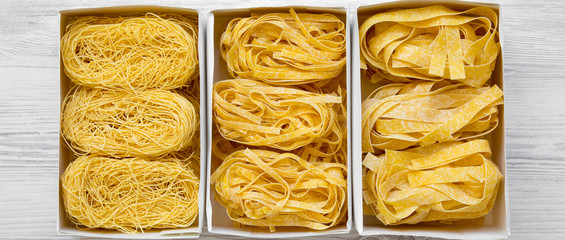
(129, 195)
(285, 49)
(443, 182)
(397, 116)
(258, 114)
(431, 43)
(133, 53)
(122, 124)
(270, 189)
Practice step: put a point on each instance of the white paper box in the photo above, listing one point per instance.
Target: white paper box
(64, 226)
(218, 220)
(496, 223)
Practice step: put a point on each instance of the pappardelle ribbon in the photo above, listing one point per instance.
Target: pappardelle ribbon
(398, 116)
(441, 182)
(430, 43)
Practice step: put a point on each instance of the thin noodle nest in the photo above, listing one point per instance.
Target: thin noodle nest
(129, 195)
(121, 124)
(398, 116)
(134, 53)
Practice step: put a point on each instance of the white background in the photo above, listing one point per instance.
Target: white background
(534, 84)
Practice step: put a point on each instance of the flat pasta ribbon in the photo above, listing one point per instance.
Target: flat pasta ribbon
(269, 189)
(258, 114)
(122, 124)
(397, 116)
(285, 49)
(441, 182)
(133, 53)
(129, 195)
(431, 43)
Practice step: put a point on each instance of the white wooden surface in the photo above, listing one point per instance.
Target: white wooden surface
(534, 45)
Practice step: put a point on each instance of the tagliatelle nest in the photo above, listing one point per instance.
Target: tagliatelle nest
(258, 114)
(285, 49)
(270, 189)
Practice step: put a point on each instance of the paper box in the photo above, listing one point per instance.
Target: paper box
(496, 224)
(64, 226)
(218, 220)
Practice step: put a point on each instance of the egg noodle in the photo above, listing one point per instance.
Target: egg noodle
(129, 195)
(122, 124)
(271, 189)
(279, 151)
(285, 49)
(258, 114)
(133, 53)
(441, 182)
(397, 116)
(430, 43)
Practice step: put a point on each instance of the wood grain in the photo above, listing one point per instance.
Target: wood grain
(534, 61)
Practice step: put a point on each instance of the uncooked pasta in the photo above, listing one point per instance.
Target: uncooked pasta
(134, 53)
(270, 189)
(258, 114)
(443, 182)
(430, 43)
(122, 124)
(398, 116)
(285, 49)
(130, 195)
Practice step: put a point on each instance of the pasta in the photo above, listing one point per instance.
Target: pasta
(441, 182)
(121, 124)
(257, 114)
(269, 189)
(285, 49)
(431, 43)
(317, 151)
(397, 116)
(190, 156)
(129, 195)
(132, 53)
(328, 148)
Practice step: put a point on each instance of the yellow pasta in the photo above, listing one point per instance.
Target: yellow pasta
(441, 182)
(285, 49)
(269, 189)
(190, 156)
(133, 53)
(129, 195)
(431, 43)
(258, 114)
(121, 124)
(397, 116)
